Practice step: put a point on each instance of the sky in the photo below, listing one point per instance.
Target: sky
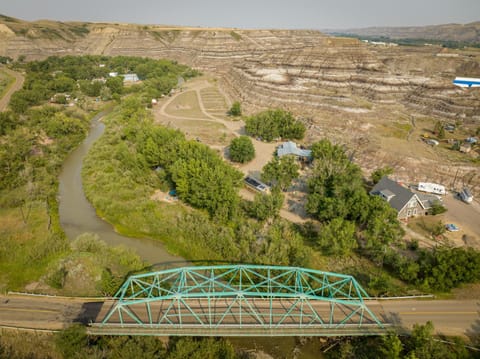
(288, 14)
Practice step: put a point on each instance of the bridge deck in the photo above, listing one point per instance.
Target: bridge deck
(226, 317)
(235, 331)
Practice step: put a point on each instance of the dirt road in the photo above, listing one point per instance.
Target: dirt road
(17, 85)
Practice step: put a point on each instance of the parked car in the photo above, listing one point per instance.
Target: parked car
(452, 228)
(466, 196)
(432, 142)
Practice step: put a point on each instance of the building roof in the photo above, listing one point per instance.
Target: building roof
(428, 200)
(130, 77)
(290, 148)
(396, 195)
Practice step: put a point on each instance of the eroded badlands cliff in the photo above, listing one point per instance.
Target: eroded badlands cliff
(344, 88)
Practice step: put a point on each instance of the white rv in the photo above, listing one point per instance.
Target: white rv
(431, 188)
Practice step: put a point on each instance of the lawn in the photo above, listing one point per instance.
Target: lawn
(185, 105)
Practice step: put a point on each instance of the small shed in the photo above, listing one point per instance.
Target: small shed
(290, 148)
(130, 78)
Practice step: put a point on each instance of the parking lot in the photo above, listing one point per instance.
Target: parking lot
(466, 216)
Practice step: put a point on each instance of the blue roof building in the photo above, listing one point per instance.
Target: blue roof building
(290, 148)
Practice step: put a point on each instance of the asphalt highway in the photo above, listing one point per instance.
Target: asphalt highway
(450, 317)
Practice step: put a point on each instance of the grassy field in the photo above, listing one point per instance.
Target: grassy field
(26, 248)
(185, 105)
(5, 82)
(210, 132)
(18, 344)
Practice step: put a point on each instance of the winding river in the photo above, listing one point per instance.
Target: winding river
(78, 216)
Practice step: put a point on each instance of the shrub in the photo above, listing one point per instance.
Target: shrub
(235, 110)
(242, 150)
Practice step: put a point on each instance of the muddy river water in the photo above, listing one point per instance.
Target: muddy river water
(78, 216)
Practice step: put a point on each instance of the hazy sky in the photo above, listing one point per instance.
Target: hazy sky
(302, 14)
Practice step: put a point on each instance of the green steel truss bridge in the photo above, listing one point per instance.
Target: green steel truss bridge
(240, 300)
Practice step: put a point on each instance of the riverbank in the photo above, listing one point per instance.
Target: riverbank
(78, 216)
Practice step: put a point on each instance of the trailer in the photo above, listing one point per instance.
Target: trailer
(431, 188)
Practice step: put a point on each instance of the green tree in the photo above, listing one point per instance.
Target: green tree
(281, 171)
(208, 348)
(337, 237)
(272, 124)
(241, 149)
(128, 347)
(437, 208)
(8, 122)
(381, 172)
(441, 132)
(266, 206)
(72, 341)
(115, 84)
(391, 346)
(336, 185)
(438, 127)
(235, 110)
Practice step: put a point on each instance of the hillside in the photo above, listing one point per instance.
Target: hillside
(334, 83)
(469, 33)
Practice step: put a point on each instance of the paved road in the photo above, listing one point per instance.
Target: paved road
(450, 317)
(16, 86)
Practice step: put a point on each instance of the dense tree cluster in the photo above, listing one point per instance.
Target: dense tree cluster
(89, 76)
(337, 192)
(73, 342)
(272, 124)
(441, 269)
(241, 149)
(421, 344)
(200, 176)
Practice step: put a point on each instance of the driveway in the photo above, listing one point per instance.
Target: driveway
(466, 216)
(17, 85)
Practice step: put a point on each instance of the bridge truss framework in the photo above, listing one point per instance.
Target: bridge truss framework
(240, 300)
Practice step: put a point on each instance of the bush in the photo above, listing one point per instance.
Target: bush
(242, 150)
(437, 208)
(235, 110)
(72, 341)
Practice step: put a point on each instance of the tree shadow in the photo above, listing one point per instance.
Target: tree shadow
(393, 319)
(473, 333)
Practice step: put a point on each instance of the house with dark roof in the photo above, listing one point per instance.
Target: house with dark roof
(405, 202)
